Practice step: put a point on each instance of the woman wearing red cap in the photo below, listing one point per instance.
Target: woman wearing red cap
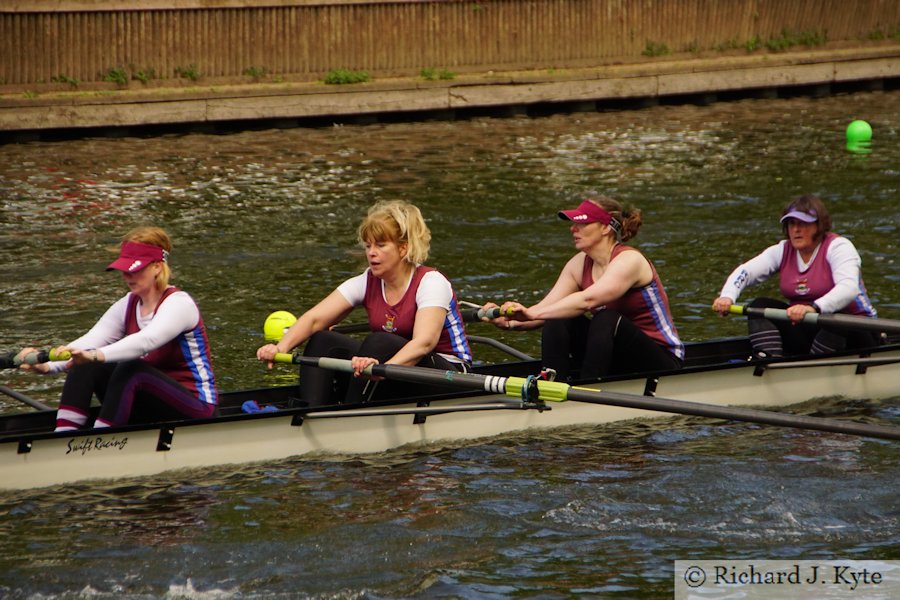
(819, 271)
(607, 313)
(147, 355)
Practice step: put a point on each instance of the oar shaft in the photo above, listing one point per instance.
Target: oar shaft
(855, 322)
(23, 398)
(492, 313)
(556, 391)
(834, 320)
(733, 413)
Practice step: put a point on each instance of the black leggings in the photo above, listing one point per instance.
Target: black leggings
(605, 344)
(130, 391)
(324, 386)
(779, 338)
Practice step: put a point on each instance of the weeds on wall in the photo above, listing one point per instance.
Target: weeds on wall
(143, 75)
(789, 39)
(65, 79)
(256, 73)
(188, 72)
(656, 49)
(345, 76)
(431, 74)
(116, 75)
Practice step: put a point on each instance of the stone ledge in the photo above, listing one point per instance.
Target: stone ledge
(650, 78)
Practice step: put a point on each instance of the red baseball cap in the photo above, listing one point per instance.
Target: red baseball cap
(587, 212)
(135, 256)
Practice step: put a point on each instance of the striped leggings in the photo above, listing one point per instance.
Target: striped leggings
(128, 391)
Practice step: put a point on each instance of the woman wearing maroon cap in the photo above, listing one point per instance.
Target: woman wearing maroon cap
(147, 356)
(819, 271)
(607, 313)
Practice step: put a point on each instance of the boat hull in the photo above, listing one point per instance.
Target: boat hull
(37, 459)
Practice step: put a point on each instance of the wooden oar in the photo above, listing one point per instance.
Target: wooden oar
(554, 391)
(833, 320)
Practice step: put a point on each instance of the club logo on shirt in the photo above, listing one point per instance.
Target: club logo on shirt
(802, 287)
(389, 324)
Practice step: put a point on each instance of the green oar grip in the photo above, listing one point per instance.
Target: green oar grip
(553, 391)
(284, 357)
(736, 309)
(548, 391)
(64, 355)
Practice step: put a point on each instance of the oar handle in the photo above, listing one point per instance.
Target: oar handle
(13, 361)
(325, 362)
(284, 357)
(42, 356)
(492, 313)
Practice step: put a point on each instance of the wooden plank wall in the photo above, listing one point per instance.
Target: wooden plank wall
(301, 40)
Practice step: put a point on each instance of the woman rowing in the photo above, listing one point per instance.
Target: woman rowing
(819, 272)
(607, 313)
(148, 355)
(413, 313)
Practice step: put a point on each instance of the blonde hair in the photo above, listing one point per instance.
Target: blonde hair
(400, 222)
(154, 236)
(629, 218)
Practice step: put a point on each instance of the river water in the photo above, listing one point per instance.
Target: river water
(265, 220)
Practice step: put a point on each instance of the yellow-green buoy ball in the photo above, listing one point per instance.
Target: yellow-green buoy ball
(859, 132)
(277, 324)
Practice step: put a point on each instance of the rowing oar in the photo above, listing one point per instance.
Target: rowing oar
(837, 320)
(554, 391)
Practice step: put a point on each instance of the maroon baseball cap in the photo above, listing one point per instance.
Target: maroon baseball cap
(587, 212)
(135, 256)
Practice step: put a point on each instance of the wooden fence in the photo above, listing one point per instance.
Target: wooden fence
(83, 41)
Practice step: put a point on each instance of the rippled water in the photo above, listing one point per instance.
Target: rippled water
(265, 220)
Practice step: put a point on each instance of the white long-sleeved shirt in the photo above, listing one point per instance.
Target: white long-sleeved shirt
(842, 259)
(179, 313)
